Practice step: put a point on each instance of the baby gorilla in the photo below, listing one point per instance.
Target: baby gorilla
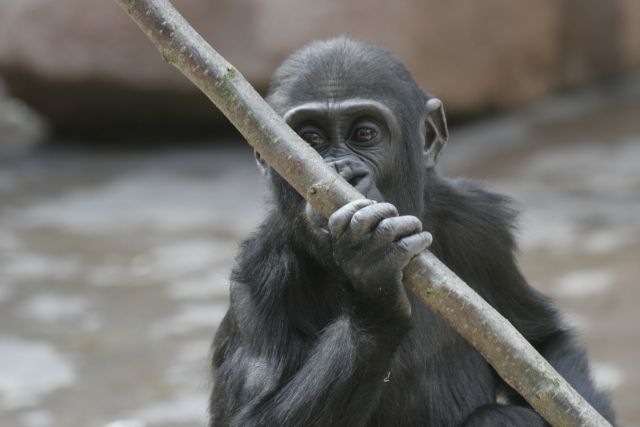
(321, 331)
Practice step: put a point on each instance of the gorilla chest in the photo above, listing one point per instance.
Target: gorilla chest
(441, 383)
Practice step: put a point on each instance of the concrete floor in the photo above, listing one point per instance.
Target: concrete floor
(114, 263)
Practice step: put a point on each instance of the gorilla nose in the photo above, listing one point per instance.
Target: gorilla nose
(354, 174)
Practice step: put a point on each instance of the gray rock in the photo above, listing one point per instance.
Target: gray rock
(83, 63)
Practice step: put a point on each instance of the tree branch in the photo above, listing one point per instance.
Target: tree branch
(515, 360)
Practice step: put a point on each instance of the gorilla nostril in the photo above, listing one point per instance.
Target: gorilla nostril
(353, 174)
(357, 179)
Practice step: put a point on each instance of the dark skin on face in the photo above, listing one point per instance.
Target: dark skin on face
(371, 242)
(354, 136)
(320, 330)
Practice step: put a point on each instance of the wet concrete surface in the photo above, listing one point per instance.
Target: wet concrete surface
(114, 263)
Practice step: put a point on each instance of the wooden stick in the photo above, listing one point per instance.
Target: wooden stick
(511, 355)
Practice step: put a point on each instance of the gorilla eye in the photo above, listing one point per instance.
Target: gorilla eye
(312, 137)
(364, 134)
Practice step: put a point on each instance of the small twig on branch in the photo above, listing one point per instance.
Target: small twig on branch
(515, 360)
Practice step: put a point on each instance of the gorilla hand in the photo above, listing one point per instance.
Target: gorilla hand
(372, 245)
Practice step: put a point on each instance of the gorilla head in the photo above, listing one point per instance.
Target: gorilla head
(359, 107)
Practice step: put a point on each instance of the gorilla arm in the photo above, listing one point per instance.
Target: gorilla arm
(337, 378)
(533, 315)
(475, 239)
(338, 384)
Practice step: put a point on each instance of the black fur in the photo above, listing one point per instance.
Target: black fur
(299, 347)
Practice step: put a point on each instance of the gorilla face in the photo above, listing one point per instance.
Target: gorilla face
(361, 110)
(355, 137)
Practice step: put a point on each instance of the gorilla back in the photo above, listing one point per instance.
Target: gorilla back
(321, 331)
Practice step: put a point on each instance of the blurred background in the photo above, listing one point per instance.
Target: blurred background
(124, 194)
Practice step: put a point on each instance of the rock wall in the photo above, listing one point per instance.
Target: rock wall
(83, 64)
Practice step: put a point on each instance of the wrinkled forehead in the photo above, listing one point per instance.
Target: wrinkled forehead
(343, 92)
(337, 75)
(349, 80)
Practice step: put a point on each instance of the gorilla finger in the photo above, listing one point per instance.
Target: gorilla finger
(415, 244)
(395, 228)
(367, 218)
(340, 219)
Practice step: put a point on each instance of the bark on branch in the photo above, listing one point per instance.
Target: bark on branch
(515, 360)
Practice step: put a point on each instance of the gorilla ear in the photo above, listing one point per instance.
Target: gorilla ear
(262, 165)
(436, 132)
